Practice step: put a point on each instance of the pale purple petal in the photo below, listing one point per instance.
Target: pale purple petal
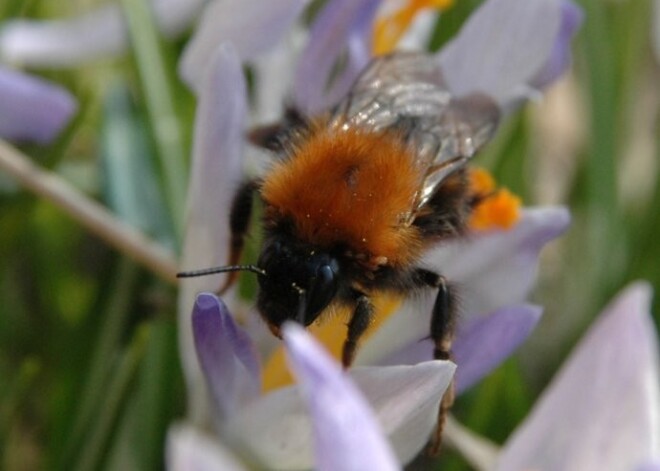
(93, 35)
(481, 344)
(32, 109)
(227, 355)
(253, 26)
(501, 47)
(277, 427)
(347, 436)
(342, 26)
(498, 268)
(653, 465)
(490, 270)
(273, 76)
(216, 173)
(560, 58)
(190, 449)
(601, 411)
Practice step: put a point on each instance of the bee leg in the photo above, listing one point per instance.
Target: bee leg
(239, 219)
(443, 320)
(362, 316)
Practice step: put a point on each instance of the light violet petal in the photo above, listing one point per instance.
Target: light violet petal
(273, 76)
(347, 436)
(501, 47)
(498, 268)
(253, 26)
(216, 173)
(560, 58)
(357, 57)
(190, 449)
(490, 271)
(601, 411)
(405, 399)
(32, 109)
(341, 23)
(93, 35)
(227, 355)
(481, 344)
(653, 465)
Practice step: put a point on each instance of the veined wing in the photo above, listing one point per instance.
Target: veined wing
(406, 91)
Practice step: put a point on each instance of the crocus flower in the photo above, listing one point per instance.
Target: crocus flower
(95, 34)
(495, 268)
(32, 109)
(602, 409)
(326, 422)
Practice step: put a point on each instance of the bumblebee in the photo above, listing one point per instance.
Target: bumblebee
(356, 196)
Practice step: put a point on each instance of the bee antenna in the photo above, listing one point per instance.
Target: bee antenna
(224, 269)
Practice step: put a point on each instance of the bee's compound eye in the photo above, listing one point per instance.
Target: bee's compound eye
(325, 275)
(322, 290)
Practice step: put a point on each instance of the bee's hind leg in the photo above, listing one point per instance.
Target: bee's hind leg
(443, 322)
(362, 316)
(239, 221)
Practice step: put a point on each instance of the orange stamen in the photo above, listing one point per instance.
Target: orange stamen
(389, 29)
(499, 208)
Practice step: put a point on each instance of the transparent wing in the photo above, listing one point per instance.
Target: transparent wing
(406, 91)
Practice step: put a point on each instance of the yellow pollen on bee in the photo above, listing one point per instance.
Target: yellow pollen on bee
(331, 333)
(499, 208)
(389, 29)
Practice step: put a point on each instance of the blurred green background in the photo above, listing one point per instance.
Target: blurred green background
(89, 370)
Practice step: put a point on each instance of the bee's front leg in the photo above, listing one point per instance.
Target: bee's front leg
(443, 321)
(362, 316)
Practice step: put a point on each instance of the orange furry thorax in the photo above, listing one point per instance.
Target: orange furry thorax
(349, 187)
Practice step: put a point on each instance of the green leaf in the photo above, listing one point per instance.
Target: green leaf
(160, 105)
(131, 181)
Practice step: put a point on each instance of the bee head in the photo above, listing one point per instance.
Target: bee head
(299, 283)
